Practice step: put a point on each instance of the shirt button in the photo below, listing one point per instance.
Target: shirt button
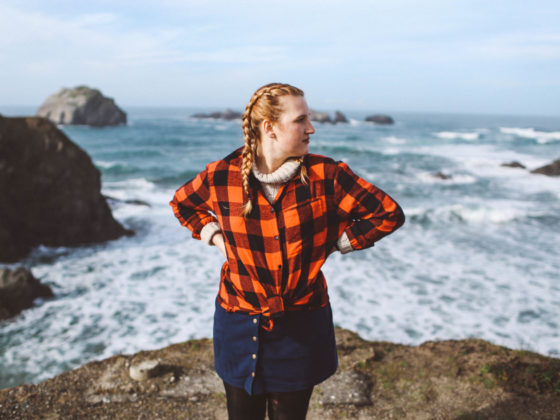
(272, 210)
(253, 374)
(276, 237)
(254, 338)
(254, 356)
(254, 320)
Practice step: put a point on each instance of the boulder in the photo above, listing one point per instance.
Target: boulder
(51, 191)
(513, 164)
(18, 290)
(380, 119)
(441, 175)
(321, 117)
(552, 169)
(228, 115)
(339, 117)
(82, 105)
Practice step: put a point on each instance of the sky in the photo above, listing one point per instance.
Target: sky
(458, 56)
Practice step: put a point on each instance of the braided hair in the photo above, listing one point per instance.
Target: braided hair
(264, 105)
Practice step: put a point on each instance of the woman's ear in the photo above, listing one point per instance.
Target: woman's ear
(268, 129)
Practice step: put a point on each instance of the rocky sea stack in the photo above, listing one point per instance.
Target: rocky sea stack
(82, 106)
(325, 118)
(380, 119)
(51, 191)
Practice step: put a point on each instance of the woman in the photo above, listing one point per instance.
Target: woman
(276, 212)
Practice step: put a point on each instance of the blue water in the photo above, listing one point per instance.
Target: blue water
(477, 257)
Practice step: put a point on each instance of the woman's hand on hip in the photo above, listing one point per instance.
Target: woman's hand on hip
(218, 240)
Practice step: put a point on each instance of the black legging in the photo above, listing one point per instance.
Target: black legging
(281, 405)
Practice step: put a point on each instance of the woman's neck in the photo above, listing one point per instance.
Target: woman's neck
(267, 162)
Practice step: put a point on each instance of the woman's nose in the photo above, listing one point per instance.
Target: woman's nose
(310, 129)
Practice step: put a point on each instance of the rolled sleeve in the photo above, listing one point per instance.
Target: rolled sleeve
(192, 206)
(373, 213)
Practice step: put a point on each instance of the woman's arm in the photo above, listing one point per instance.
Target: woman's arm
(191, 204)
(373, 213)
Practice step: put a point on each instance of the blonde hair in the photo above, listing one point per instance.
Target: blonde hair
(264, 105)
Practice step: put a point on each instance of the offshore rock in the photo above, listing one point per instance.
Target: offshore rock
(380, 119)
(552, 169)
(51, 191)
(228, 115)
(453, 379)
(339, 117)
(82, 105)
(321, 117)
(18, 290)
(513, 164)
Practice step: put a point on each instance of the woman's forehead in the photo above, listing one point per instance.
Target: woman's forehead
(294, 105)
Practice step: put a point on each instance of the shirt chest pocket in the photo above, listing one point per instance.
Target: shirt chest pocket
(306, 227)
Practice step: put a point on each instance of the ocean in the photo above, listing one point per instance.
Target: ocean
(477, 256)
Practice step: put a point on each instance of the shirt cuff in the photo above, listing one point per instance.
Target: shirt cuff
(208, 232)
(343, 244)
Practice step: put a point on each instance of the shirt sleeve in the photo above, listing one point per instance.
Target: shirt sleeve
(373, 214)
(192, 206)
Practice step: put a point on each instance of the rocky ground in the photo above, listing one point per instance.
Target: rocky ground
(467, 379)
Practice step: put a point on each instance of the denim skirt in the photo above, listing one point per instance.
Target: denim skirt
(298, 353)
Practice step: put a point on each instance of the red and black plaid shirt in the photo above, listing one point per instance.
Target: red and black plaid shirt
(275, 255)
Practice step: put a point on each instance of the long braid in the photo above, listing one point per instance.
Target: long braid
(249, 149)
(268, 109)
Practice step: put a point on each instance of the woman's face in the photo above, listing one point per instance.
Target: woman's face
(293, 128)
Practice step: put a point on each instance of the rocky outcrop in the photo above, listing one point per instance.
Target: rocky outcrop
(513, 164)
(320, 117)
(442, 175)
(18, 290)
(339, 117)
(464, 379)
(552, 169)
(51, 191)
(228, 115)
(324, 117)
(82, 105)
(380, 119)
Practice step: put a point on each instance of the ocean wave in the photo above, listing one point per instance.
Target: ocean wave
(394, 140)
(496, 213)
(542, 137)
(454, 135)
(116, 168)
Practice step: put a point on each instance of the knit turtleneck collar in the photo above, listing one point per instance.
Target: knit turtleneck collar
(281, 175)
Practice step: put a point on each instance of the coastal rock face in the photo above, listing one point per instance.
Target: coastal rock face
(82, 105)
(51, 191)
(18, 290)
(228, 115)
(380, 119)
(552, 169)
(463, 379)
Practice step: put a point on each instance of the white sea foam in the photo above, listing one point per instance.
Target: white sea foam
(446, 296)
(104, 164)
(495, 212)
(394, 140)
(452, 135)
(541, 137)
